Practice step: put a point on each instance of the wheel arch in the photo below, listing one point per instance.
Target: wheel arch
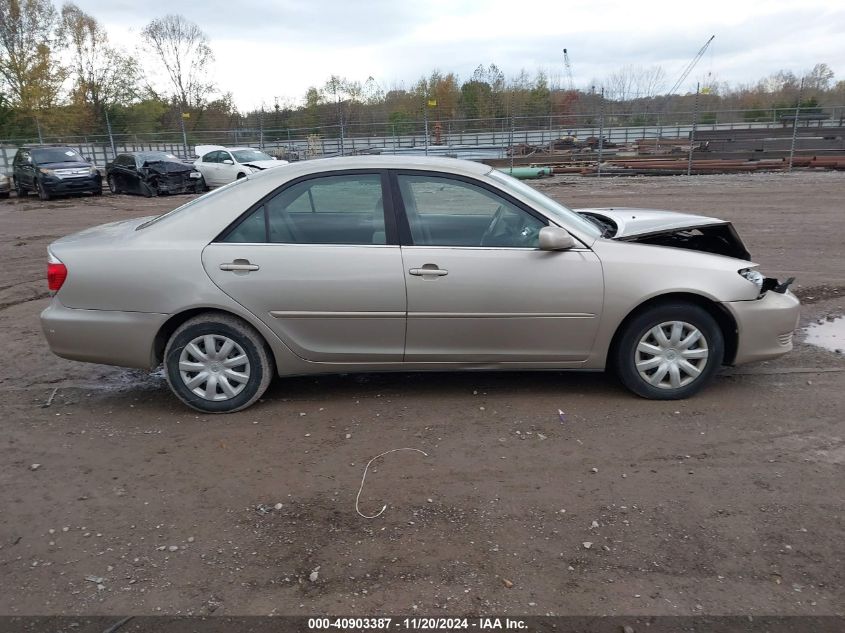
(176, 320)
(724, 319)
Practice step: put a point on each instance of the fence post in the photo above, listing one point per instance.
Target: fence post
(795, 124)
(425, 119)
(261, 128)
(692, 132)
(184, 134)
(601, 133)
(38, 127)
(111, 137)
(511, 141)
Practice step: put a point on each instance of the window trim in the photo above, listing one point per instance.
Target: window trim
(388, 207)
(405, 237)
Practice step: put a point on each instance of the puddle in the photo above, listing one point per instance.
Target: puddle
(829, 335)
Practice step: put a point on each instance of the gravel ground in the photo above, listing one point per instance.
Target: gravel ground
(729, 503)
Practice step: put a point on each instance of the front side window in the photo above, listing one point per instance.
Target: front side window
(445, 211)
(342, 209)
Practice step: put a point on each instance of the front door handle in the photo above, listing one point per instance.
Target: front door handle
(428, 270)
(239, 266)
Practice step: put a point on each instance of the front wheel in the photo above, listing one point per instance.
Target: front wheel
(216, 363)
(112, 182)
(43, 194)
(669, 352)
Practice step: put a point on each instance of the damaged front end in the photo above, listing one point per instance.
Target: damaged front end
(681, 230)
(169, 177)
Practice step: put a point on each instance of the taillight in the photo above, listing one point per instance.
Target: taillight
(56, 273)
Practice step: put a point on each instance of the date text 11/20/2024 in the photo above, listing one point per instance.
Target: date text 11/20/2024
(417, 624)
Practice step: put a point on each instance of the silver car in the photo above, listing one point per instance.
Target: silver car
(405, 264)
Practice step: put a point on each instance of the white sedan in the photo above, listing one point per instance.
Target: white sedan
(222, 165)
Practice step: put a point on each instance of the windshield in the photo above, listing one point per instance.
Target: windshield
(147, 156)
(188, 205)
(554, 210)
(56, 155)
(249, 155)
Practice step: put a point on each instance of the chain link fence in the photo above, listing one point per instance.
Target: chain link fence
(468, 138)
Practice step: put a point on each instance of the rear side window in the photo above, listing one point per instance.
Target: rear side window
(211, 157)
(343, 209)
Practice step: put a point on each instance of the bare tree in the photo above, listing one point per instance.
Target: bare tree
(819, 78)
(634, 82)
(28, 71)
(184, 51)
(102, 75)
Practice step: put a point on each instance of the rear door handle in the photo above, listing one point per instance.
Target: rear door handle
(239, 265)
(428, 270)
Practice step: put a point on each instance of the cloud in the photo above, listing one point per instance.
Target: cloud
(275, 49)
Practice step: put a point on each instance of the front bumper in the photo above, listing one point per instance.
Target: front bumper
(59, 186)
(764, 326)
(178, 183)
(101, 336)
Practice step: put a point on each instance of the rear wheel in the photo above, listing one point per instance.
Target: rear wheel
(112, 182)
(669, 352)
(216, 363)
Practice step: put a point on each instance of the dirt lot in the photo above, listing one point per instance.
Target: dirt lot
(730, 503)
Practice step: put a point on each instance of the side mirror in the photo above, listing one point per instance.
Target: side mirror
(228, 162)
(554, 238)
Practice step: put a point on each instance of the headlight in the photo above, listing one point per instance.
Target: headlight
(93, 171)
(754, 276)
(47, 172)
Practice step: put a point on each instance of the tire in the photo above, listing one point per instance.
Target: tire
(4, 195)
(677, 322)
(203, 186)
(43, 194)
(112, 183)
(189, 344)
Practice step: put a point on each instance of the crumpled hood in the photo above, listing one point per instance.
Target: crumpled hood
(168, 166)
(265, 164)
(632, 221)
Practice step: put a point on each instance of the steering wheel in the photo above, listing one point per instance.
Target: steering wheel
(494, 224)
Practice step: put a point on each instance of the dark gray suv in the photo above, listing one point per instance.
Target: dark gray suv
(52, 170)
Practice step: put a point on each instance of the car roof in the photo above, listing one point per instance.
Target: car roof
(424, 163)
(47, 146)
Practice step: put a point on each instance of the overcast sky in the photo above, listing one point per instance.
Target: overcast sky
(266, 49)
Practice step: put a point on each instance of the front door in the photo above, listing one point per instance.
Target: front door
(316, 264)
(479, 288)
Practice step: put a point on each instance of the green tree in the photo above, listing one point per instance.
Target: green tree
(29, 73)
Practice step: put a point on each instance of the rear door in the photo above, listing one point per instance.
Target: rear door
(318, 263)
(479, 289)
(209, 167)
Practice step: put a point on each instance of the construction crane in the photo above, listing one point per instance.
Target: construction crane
(570, 82)
(689, 66)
